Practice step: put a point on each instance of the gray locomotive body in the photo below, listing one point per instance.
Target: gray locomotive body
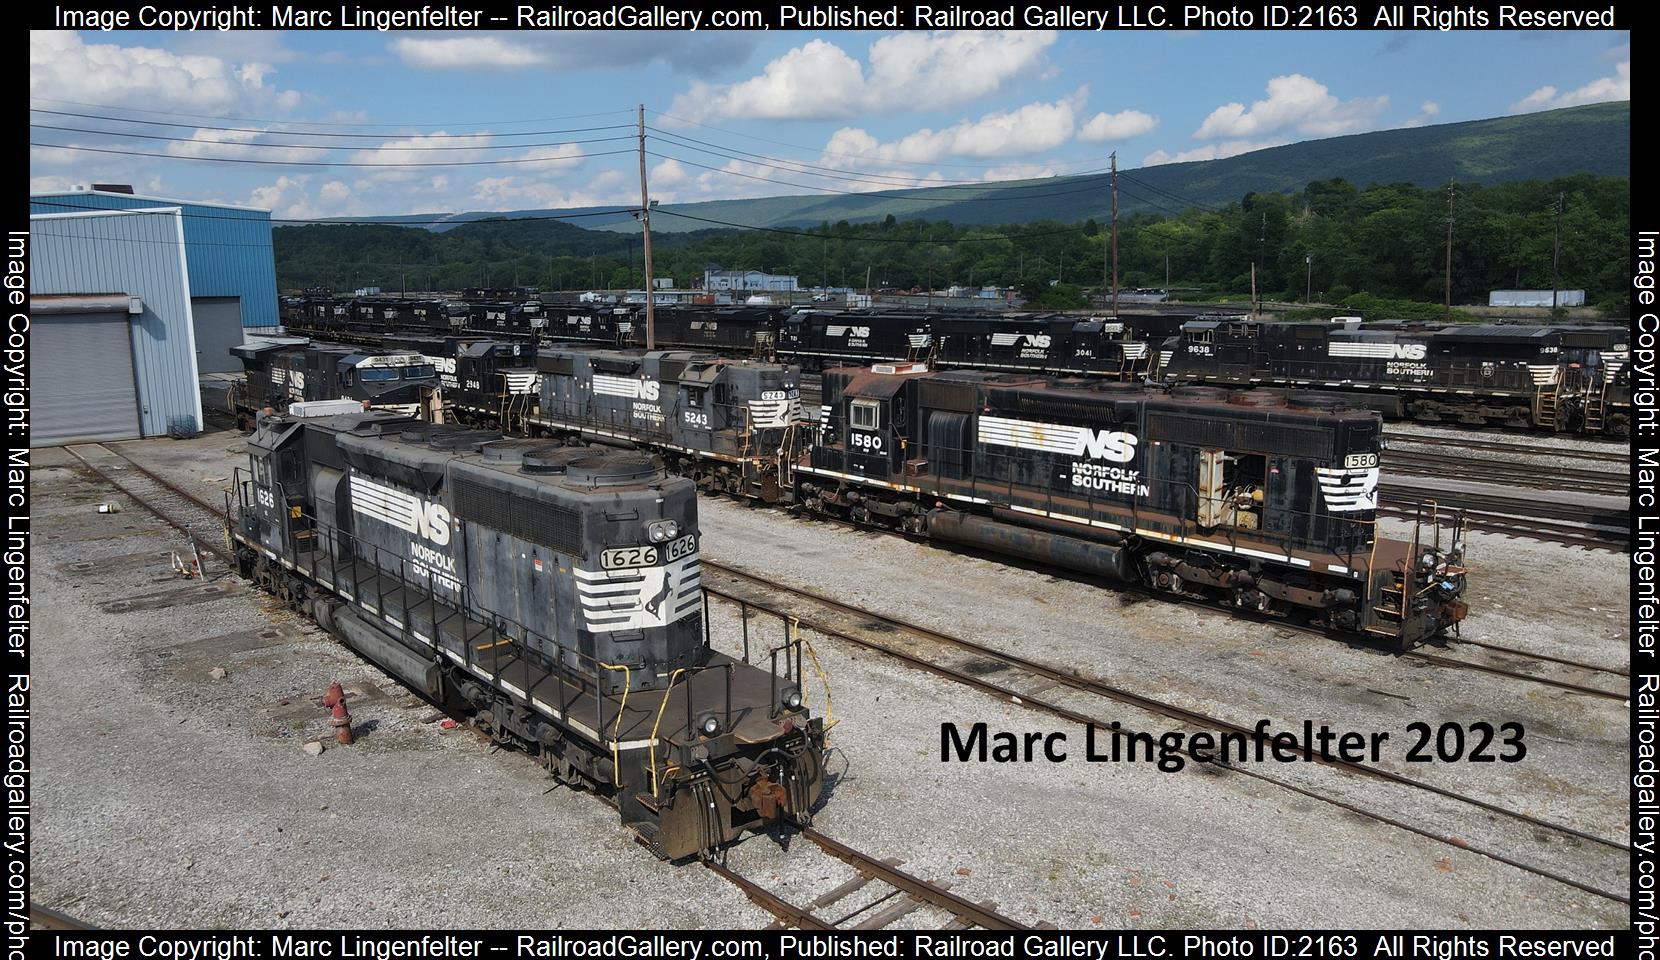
(554, 590)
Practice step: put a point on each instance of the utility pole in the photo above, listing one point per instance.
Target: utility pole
(645, 228)
(1308, 279)
(1452, 191)
(1115, 234)
(1167, 276)
(1556, 256)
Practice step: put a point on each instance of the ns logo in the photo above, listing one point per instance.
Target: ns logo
(1407, 351)
(1110, 445)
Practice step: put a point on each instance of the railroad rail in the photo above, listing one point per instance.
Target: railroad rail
(1040, 678)
(1393, 437)
(159, 488)
(1549, 531)
(44, 918)
(1534, 655)
(1505, 472)
(907, 894)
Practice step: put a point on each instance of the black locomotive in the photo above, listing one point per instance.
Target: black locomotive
(1255, 500)
(552, 590)
(1560, 378)
(279, 374)
(722, 422)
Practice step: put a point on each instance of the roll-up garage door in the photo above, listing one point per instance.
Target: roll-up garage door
(81, 368)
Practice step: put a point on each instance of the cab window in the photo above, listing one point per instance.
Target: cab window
(864, 414)
(378, 373)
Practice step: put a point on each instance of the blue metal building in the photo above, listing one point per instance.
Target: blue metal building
(232, 271)
(112, 344)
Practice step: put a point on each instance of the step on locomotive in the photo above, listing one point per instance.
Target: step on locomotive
(553, 591)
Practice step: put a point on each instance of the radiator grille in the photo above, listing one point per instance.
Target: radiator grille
(545, 524)
(946, 395)
(1255, 437)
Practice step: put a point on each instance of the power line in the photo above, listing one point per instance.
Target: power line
(797, 166)
(870, 239)
(1166, 193)
(320, 163)
(312, 133)
(884, 194)
(361, 223)
(831, 153)
(324, 123)
(325, 146)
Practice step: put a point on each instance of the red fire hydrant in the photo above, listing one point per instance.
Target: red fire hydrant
(334, 696)
(342, 722)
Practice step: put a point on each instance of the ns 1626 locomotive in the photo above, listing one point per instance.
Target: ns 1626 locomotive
(1252, 499)
(553, 590)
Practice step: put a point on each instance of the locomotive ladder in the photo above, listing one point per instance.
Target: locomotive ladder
(1544, 407)
(1596, 406)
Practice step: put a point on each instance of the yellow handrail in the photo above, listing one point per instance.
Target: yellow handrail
(616, 730)
(823, 678)
(659, 722)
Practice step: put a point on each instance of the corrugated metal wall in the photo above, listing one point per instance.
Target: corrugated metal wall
(230, 247)
(139, 254)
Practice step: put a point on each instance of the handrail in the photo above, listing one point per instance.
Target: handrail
(616, 731)
(659, 722)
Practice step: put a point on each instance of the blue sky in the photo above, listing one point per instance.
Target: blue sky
(844, 111)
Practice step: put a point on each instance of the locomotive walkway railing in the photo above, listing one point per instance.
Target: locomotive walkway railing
(352, 567)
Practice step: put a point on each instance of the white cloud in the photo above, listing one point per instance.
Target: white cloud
(1033, 128)
(1210, 151)
(64, 67)
(466, 53)
(908, 71)
(1601, 90)
(516, 192)
(1427, 112)
(1117, 126)
(945, 69)
(697, 54)
(240, 145)
(1294, 103)
(334, 190)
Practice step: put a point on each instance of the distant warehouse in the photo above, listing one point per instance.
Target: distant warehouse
(112, 346)
(1535, 298)
(233, 276)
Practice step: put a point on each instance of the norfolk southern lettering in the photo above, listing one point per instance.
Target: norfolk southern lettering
(1169, 751)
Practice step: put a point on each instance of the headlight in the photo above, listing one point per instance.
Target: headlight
(710, 725)
(660, 531)
(792, 699)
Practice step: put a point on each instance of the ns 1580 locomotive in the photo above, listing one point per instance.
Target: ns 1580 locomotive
(1251, 499)
(1560, 378)
(553, 590)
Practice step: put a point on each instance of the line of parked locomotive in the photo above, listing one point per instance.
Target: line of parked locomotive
(1563, 378)
(1253, 499)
